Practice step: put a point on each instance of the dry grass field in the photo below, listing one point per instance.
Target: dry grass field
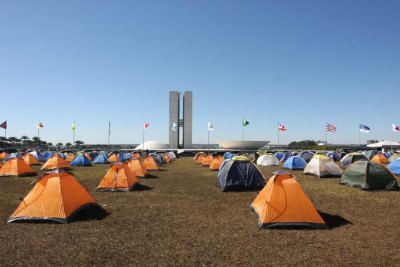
(179, 216)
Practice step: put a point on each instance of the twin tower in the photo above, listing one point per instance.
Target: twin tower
(180, 119)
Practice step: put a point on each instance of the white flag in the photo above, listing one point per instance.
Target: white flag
(174, 127)
(210, 126)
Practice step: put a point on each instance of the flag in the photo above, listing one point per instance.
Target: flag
(330, 128)
(395, 128)
(281, 127)
(174, 126)
(73, 127)
(145, 125)
(210, 126)
(4, 125)
(109, 127)
(364, 128)
(39, 125)
(245, 122)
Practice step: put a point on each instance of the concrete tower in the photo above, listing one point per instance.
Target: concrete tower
(182, 136)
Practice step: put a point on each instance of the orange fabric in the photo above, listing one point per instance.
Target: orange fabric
(70, 157)
(113, 158)
(206, 161)
(55, 162)
(118, 178)
(88, 156)
(3, 155)
(30, 159)
(135, 155)
(16, 167)
(217, 162)
(56, 195)
(167, 158)
(198, 155)
(139, 169)
(150, 163)
(380, 158)
(283, 200)
(199, 159)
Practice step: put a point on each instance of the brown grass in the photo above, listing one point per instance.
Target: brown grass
(180, 217)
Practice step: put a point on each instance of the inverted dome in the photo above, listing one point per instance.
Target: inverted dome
(152, 145)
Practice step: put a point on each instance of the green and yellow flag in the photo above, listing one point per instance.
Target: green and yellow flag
(245, 122)
(73, 127)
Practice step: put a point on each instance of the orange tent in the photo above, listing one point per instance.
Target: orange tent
(150, 163)
(55, 162)
(217, 162)
(380, 158)
(199, 158)
(3, 155)
(16, 167)
(199, 154)
(166, 158)
(135, 155)
(30, 159)
(57, 196)
(118, 178)
(139, 169)
(113, 158)
(283, 203)
(70, 157)
(206, 161)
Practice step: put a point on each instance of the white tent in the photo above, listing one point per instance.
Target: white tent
(322, 166)
(268, 160)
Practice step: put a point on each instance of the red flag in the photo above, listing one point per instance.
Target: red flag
(145, 125)
(281, 127)
(4, 125)
(330, 128)
(39, 125)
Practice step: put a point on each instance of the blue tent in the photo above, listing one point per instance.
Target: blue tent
(239, 173)
(46, 155)
(80, 160)
(157, 158)
(101, 159)
(295, 163)
(280, 155)
(306, 155)
(387, 154)
(394, 166)
(333, 156)
(285, 157)
(124, 157)
(12, 156)
(228, 155)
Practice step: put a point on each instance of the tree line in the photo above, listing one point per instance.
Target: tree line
(26, 142)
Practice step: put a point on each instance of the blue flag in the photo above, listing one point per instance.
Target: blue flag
(364, 128)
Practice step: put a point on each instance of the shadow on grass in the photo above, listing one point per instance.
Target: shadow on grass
(94, 212)
(334, 221)
(162, 170)
(141, 187)
(150, 176)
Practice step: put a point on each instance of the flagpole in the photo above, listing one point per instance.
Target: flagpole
(278, 135)
(109, 133)
(208, 142)
(143, 139)
(326, 138)
(359, 137)
(5, 137)
(242, 135)
(73, 134)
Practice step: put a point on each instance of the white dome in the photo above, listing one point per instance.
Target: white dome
(152, 145)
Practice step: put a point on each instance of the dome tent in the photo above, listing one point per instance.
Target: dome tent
(239, 173)
(268, 160)
(295, 163)
(118, 178)
(322, 166)
(351, 158)
(101, 158)
(81, 160)
(283, 203)
(369, 176)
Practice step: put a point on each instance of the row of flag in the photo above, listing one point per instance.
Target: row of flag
(281, 127)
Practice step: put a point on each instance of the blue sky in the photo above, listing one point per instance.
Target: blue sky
(303, 63)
